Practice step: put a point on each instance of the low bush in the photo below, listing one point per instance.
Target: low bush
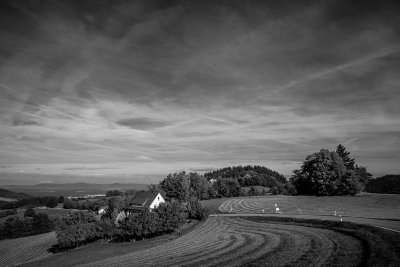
(5, 213)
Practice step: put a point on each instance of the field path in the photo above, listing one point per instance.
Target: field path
(233, 241)
(26, 249)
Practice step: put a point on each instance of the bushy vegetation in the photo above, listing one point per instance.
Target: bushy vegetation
(49, 202)
(86, 204)
(195, 210)
(114, 193)
(249, 175)
(5, 213)
(388, 184)
(15, 227)
(329, 173)
(82, 227)
(226, 182)
(77, 228)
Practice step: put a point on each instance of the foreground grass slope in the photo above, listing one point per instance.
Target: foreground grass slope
(260, 241)
(26, 249)
(235, 241)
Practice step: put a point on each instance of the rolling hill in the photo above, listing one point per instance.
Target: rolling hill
(10, 195)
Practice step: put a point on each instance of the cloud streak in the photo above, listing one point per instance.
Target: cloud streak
(153, 87)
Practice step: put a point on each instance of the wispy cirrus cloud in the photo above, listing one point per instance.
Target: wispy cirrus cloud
(168, 86)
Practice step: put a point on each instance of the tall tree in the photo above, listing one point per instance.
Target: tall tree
(345, 155)
(177, 186)
(324, 173)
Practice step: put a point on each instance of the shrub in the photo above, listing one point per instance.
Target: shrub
(77, 228)
(274, 190)
(42, 224)
(30, 212)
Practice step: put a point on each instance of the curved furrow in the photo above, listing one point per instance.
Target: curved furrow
(289, 240)
(305, 244)
(194, 257)
(230, 241)
(25, 249)
(194, 240)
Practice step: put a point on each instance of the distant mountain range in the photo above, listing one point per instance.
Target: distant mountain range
(72, 189)
(24, 178)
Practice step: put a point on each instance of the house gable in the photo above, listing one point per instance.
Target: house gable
(147, 200)
(157, 201)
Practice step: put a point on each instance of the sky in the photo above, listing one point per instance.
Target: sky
(108, 88)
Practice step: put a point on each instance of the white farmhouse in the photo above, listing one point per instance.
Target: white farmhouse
(142, 200)
(145, 200)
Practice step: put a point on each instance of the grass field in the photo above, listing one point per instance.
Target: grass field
(247, 241)
(53, 212)
(252, 240)
(234, 241)
(101, 250)
(378, 206)
(25, 249)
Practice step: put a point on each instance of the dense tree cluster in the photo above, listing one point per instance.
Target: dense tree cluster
(195, 211)
(177, 186)
(77, 228)
(165, 219)
(114, 193)
(249, 175)
(29, 212)
(226, 182)
(82, 227)
(388, 184)
(5, 213)
(86, 204)
(328, 173)
(49, 202)
(15, 226)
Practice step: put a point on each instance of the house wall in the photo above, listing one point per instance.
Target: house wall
(159, 199)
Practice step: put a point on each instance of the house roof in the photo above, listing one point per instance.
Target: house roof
(143, 199)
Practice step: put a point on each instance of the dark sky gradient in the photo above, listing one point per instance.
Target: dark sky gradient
(117, 87)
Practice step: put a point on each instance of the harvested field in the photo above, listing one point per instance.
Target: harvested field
(377, 206)
(229, 241)
(25, 249)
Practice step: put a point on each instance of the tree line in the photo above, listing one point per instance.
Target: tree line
(83, 227)
(226, 182)
(31, 224)
(87, 204)
(324, 173)
(47, 201)
(388, 184)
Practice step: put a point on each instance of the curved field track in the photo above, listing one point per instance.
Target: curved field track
(26, 249)
(232, 241)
